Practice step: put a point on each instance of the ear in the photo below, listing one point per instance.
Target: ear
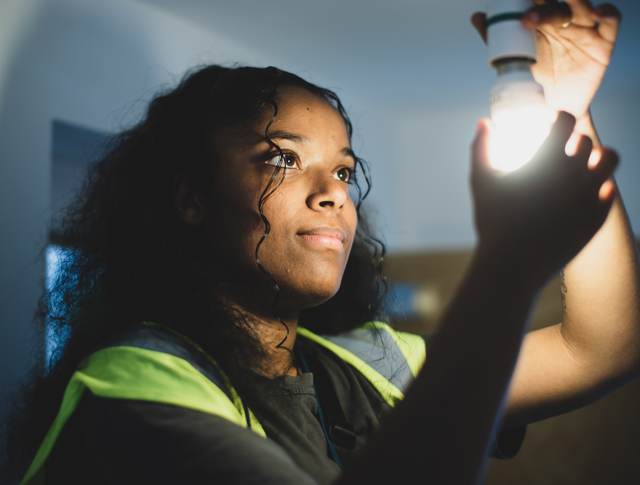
(187, 202)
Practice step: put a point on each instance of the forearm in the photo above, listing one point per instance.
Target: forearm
(601, 297)
(440, 432)
(601, 300)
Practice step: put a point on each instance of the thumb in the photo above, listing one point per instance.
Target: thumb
(479, 22)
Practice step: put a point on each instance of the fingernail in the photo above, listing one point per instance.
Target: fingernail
(533, 17)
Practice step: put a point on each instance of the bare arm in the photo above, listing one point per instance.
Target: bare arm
(440, 433)
(596, 348)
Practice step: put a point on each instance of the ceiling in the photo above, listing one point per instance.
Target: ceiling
(384, 48)
(388, 50)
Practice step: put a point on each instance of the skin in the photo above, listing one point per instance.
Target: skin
(310, 208)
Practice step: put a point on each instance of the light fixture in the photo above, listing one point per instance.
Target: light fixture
(518, 108)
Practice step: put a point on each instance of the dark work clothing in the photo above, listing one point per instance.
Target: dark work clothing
(286, 408)
(118, 441)
(126, 442)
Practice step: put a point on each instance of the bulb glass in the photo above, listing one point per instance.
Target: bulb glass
(520, 132)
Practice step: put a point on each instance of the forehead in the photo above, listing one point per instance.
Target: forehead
(299, 112)
(301, 109)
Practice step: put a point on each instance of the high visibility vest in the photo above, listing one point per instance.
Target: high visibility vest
(154, 363)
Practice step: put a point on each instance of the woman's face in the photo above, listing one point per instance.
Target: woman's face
(313, 220)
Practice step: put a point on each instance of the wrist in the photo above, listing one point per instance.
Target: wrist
(509, 269)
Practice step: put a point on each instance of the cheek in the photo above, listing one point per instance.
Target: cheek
(305, 277)
(233, 224)
(351, 216)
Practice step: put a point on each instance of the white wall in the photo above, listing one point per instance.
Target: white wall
(83, 62)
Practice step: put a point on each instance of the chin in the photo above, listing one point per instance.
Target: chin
(310, 297)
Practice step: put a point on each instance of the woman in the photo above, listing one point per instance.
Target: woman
(218, 238)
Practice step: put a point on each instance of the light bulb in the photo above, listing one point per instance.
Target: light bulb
(520, 115)
(518, 107)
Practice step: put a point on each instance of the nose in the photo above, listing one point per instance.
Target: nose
(328, 194)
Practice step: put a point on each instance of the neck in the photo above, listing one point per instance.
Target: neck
(277, 339)
(272, 334)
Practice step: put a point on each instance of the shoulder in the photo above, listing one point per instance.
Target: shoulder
(150, 364)
(382, 354)
(143, 441)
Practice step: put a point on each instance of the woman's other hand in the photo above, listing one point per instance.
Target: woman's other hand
(541, 215)
(575, 43)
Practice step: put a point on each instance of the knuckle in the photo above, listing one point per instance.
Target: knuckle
(609, 10)
(609, 160)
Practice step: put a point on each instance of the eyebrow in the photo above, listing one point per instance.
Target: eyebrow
(294, 137)
(348, 152)
(285, 135)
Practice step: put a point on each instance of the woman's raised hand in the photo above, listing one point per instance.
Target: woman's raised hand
(575, 43)
(541, 215)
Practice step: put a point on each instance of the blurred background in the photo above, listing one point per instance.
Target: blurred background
(414, 78)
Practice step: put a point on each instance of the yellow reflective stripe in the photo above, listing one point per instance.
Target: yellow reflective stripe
(140, 374)
(388, 391)
(413, 346)
(72, 395)
(255, 424)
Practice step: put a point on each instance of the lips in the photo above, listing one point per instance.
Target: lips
(325, 236)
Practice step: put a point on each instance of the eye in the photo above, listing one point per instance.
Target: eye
(344, 174)
(286, 160)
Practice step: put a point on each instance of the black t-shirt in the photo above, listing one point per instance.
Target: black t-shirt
(119, 441)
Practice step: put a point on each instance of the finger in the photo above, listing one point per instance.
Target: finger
(607, 192)
(609, 18)
(560, 131)
(557, 15)
(602, 163)
(606, 195)
(479, 22)
(571, 148)
(581, 10)
(583, 149)
(480, 151)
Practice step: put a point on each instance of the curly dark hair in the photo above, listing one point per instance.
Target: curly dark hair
(132, 259)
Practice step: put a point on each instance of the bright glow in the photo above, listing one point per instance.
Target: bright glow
(54, 257)
(519, 133)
